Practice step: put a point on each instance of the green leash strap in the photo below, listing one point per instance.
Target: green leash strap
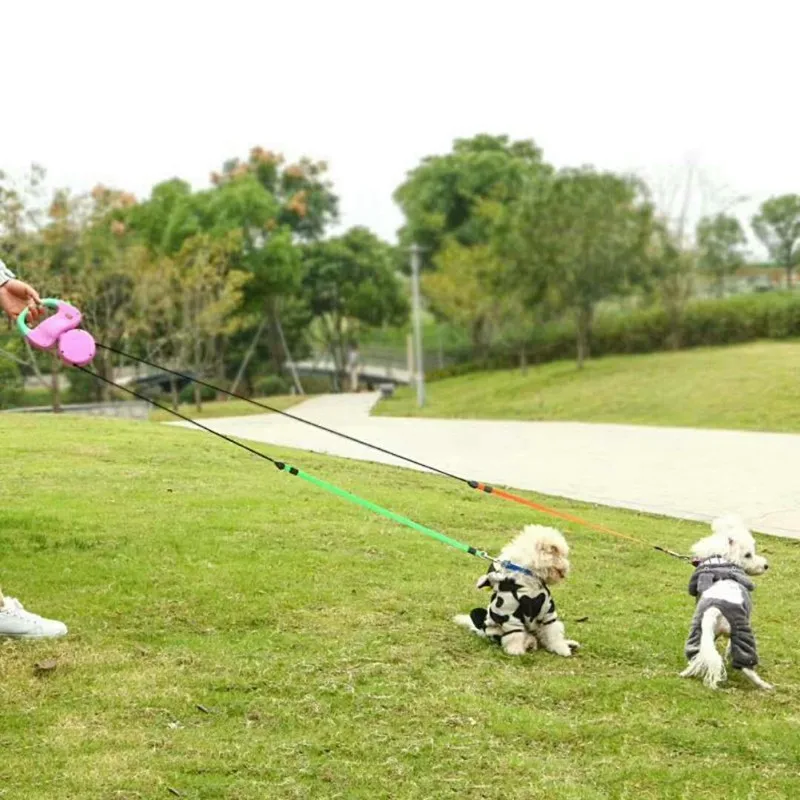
(384, 512)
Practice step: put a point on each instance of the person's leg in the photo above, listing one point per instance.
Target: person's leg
(17, 623)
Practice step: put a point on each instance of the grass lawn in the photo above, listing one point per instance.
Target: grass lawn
(750, 387)
(224, 408)
(238, 634)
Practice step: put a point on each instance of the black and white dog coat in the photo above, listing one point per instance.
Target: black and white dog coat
(520, 603)
(736, 608)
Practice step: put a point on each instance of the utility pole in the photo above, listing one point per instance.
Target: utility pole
(419, 369)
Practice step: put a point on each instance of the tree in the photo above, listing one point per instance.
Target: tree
(305, 200)
(185, 305)
(719, 242)
(442, 197)
(671, 266)
(107, 261)
(777, 225)
(350, 281)
(275, 206)
(40, 241)
(463, 289)
(589, 232)
(171, 215)
(269, 207)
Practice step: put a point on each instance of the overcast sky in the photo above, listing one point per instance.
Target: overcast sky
(131, 94)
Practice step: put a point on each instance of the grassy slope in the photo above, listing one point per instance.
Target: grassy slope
(753, 386)
(318, 636)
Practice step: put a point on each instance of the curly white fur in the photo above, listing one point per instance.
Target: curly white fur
(732, 542)
(731, 539)
(544, 552)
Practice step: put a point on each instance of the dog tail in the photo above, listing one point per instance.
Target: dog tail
(707, 663)
(474, 621)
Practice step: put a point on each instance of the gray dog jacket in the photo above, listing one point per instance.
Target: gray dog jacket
(737, 613)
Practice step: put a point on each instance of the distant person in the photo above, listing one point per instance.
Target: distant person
(15, 621)
(353, 365)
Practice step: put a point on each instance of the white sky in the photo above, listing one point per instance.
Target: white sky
(131, 94)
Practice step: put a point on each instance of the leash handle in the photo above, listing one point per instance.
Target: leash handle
(75, 347)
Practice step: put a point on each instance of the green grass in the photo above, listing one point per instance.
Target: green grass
(225, 408)
(750, 387)
(318, 639)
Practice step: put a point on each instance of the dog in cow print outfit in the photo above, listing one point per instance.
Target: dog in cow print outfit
(521, 614)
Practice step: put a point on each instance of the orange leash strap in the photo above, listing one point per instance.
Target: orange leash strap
(515, 498)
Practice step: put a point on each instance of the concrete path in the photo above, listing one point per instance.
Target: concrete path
(678, 472)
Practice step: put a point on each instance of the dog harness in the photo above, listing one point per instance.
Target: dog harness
(736, 612)
(519, 604)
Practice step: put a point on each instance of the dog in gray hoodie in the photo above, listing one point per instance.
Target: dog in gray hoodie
(720, 583)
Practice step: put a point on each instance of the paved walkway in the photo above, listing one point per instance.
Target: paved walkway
(678, 472)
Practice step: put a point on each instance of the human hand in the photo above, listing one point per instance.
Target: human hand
(17, 295)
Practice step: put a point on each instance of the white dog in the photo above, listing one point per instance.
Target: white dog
(720, 583)
(522, 613)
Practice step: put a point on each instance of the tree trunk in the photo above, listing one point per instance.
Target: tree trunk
(219, 367)
(339, 357)
(55, 384)
(198, 394)
(478, 335)
(584, 326)
(106, 371)
(523, 359)
(789, 276)
(273, 336)
(249, 354)
(173, 390)
(288, 356)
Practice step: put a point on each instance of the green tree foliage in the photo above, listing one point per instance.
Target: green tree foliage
(588, 234)
(671, 280)
(171, 215)
(777, 225)
(305, 200)
(463, 289)
(720, 243)
(350, 282)
(442, 197)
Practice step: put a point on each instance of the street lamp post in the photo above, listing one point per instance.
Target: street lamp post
(419, 369)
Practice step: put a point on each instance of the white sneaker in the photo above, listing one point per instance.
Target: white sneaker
(18, 623)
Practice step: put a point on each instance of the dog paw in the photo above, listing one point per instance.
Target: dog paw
(564, 651)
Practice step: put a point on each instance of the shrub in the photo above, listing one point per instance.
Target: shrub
(187, 395)
(11, 386)
(268, 385)
(705, 323)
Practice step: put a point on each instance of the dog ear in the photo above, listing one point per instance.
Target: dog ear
(484, 581)
(731, 541)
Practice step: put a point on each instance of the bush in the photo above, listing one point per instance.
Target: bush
(705, 323)
(187, 394)
(268, 385)
(83, 388)
(11, 385)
